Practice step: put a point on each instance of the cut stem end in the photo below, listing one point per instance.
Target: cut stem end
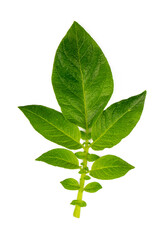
(77, 211)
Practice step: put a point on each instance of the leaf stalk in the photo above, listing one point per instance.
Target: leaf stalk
(77, 209)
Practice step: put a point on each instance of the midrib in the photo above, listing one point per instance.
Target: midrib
(115, 122)
(58, 158)
(105, 168)
(53, 125)
(80, 68)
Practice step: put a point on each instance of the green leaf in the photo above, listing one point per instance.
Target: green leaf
(80, 155)
(87, 177)
(70, 184)
(85, 135)
(109, 167)
(92, 157)
(81, 77)
(53, 126)
(117, 121)
(92, 187)
(60, 158)
(80, 203)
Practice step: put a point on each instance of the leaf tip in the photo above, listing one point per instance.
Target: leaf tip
(144, 92)
(20, 107)
(75, 23)
(131, 167)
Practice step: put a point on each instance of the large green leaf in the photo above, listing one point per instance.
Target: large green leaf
(109, 167)
(70, 184)
(117, 121)
(60, 158)
(81, 78)
(53, 126)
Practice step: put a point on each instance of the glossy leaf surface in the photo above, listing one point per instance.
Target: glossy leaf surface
(70, 184)
(53, 126)
(60, 158)
(81, 78)
(117, 121)
(109, 167)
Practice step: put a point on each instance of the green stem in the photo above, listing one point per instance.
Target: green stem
(77, 209)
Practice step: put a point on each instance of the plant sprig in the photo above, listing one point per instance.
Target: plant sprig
(83, 84)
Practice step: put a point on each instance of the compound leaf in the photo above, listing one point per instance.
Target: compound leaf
(117, 121)
(60, 158)
(53, 126)
(109, 167)
(81, 77)
(70, 184)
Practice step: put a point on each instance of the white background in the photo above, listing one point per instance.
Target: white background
(33, 204)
